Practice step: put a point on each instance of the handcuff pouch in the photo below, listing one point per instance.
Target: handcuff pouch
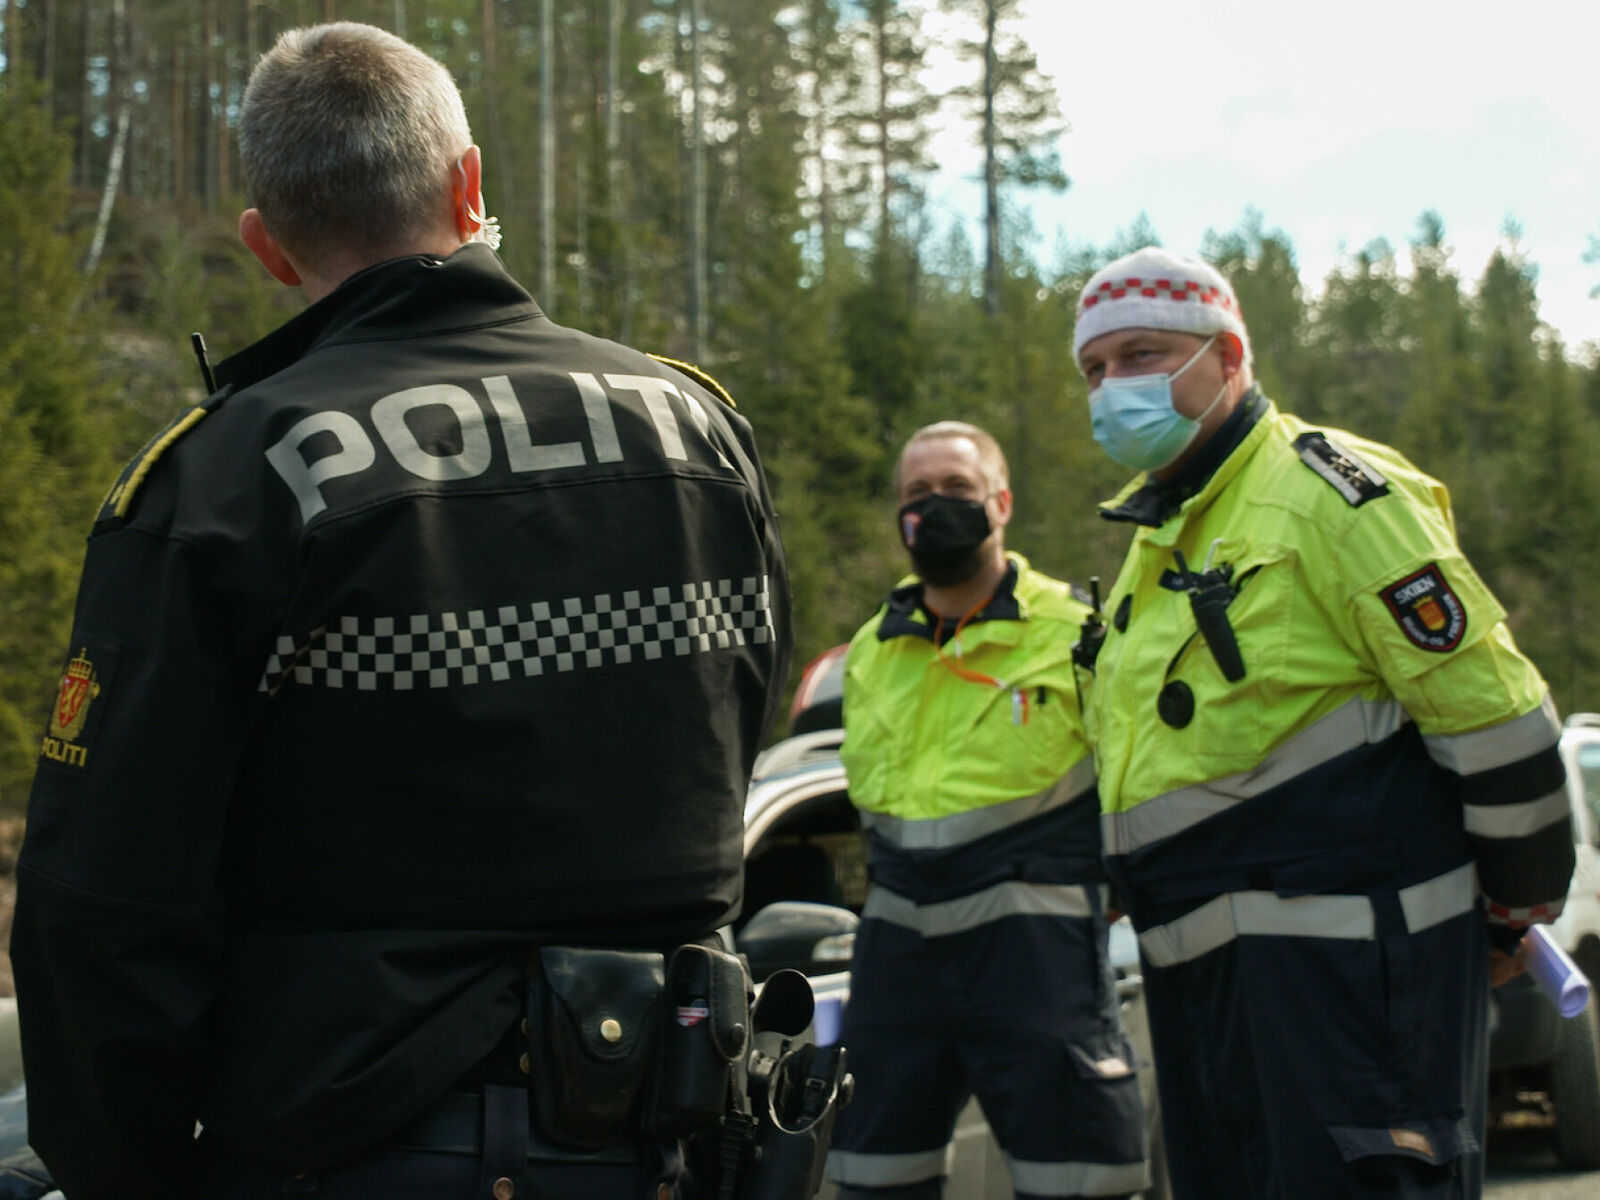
(593, 1028)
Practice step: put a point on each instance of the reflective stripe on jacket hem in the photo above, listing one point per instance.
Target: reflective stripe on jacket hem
(1010, 899)
(1499, 745)
(941, 833)
(1265, 914)
(1078, 1178)
(887, 1170)
(1357, 723)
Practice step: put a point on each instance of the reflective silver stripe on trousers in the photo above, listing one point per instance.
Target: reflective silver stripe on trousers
(887, 1170)
(1499, 745)
(1011, 899)
(1078, 1178)
(1518, 820)
(940, 833)
(1265, 914)
(1358, 723)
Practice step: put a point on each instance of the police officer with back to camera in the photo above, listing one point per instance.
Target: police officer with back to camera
(981, 962)
(393, 791)
(1332, 792)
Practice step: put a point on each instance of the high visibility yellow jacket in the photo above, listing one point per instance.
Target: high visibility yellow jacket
(936, 760)
(1357, 619)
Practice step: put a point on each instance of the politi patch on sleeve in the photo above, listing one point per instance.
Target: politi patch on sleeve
(1428, 612)
(75, 714)
(1350, 476)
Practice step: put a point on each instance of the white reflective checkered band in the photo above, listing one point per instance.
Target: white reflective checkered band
(453, 649)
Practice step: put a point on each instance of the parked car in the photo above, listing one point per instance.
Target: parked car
(1544, 1068)
(22, 1175)
(806, 879)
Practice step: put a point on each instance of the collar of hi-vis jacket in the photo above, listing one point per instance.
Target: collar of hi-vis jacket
(391, 301)
(1166, 530)
(1151, 501)
(905, 614)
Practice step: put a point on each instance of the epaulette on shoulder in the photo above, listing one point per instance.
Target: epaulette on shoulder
(1345, 472)
(700, 377)
(119, 500)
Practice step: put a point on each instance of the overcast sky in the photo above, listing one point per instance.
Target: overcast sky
(1341, 122)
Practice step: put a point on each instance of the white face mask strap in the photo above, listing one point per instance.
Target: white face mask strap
(488, 231)
(1195, 357)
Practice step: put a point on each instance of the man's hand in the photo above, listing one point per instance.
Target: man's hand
(1504, 967)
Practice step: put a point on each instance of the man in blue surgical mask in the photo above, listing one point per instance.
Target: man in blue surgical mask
(981, 963)
(1331, 791)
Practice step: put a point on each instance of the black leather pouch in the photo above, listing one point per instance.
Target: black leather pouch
(705, 1027)
(593, 1026)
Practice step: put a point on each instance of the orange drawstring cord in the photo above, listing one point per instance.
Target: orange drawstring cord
(955, 667)
(1019, 696)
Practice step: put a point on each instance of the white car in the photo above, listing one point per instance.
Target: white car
(1544, 1069)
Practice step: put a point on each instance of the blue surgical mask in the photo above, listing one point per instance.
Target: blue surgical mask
(1135, 422)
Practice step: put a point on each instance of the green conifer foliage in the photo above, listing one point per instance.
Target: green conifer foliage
(55, 447)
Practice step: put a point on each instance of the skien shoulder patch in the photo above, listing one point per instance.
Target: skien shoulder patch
(1427, 611)
(1352, 478)
(699, 376)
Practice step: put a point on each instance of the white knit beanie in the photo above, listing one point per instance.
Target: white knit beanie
(1155, 289)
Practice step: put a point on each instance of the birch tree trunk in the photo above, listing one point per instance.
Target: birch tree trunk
(991, 165)
(119, 139)
(697, 195)
(622, 257)
(547, 158)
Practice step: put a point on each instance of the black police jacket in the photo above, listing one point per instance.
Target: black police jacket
(438, 632)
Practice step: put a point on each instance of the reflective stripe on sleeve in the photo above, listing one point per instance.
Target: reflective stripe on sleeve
(887, 1170)
(1077, 1178)
(941, 833)
(1265, 914)
(1357, 723)
(1518, 820)
(1499, 745)
(1011, 899)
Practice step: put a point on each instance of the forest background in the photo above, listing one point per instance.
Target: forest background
(741, 183)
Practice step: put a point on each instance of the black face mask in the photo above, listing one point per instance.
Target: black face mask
(944, 535)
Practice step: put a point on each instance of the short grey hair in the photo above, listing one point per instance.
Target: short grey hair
(347, 138)
(990, 457)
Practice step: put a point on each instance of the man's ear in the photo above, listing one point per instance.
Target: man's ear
(1002, 504)
(1232, 354)
(468, 192)
(253, 232)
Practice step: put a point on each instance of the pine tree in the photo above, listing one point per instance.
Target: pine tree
(1019, 123)
(1261, 267)
(55, 439)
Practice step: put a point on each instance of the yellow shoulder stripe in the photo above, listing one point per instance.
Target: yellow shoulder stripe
(121, 495)
(700, 377)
